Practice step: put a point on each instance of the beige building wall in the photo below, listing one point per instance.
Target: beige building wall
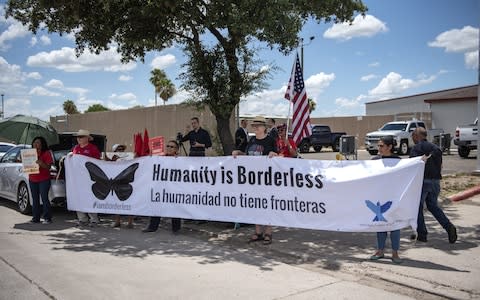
(166, 120)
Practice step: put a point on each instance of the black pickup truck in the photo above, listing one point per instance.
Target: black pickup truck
(321, 137)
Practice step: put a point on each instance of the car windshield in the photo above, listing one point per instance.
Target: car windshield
(394, 126)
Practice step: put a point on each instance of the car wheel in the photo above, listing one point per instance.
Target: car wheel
(304, 147)
(317, 148)
(373, 152)
(403, 149)
(463, 152)
(336, 145)
(23, 199)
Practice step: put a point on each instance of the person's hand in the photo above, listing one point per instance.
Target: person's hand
(272, 154)
(426, 157)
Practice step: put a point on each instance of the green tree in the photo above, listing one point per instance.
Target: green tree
(96, 107)
(312, 105)
(218, 37)
(70, 108)
(163, 86)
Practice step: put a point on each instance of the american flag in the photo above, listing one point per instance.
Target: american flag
(297, 94)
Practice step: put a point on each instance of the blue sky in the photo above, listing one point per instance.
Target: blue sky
(401, 48)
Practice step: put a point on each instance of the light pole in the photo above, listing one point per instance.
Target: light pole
(3, 109)
(301, 49)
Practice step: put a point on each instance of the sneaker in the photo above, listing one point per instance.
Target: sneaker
(115, 225)
(452, 233)
(34, 221)
(47, 222)
(148, 230)
(397, 260)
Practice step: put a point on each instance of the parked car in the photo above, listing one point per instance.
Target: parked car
(14, 183)
(322, 136)
(466, 138)
(401, 131)
(4, 147)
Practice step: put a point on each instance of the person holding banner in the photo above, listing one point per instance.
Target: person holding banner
(40, 183)
(120, 148)
(431, 185)
(172, 150)
(286, 146)
(260, 144)
(385, 151)
(241, 136)
(84, 147)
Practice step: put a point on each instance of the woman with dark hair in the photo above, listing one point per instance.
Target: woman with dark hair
(385, 151)
(40, 182)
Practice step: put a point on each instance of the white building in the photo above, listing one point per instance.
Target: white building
(448, 108)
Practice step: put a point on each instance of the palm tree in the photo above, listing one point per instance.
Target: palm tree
(311, 105)
(69, 107)
(163, 86)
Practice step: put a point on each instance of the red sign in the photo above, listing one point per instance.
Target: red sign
(157, 145)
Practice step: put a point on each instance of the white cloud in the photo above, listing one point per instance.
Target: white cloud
(463, 40)
(54, 83)
(367, 26)
(471, 60)
(163, 61)
(66, 60)
(10, 74)
(58, 84)
(393, 85)
(45, 40)
(33, 41)
(374, 64)
(123, 97)
(41, 91)
(368, 77)
(14, 31)
(34, 75)
(125, 78)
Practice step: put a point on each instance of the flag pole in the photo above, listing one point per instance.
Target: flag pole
(292, 75)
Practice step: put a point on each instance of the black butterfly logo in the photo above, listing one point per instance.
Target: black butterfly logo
(120, 184)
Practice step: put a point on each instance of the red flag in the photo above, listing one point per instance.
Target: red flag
(137, 142)
(146, 144)
(297, 94)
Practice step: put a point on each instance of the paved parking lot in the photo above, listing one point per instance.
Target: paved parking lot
(452, 163)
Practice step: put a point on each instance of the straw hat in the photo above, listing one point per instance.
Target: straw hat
(83, 132)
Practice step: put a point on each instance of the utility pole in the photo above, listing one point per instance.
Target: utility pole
(3, 108)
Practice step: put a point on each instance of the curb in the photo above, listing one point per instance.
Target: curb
(465, 194)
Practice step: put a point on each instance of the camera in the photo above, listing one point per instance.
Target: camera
(179, 137)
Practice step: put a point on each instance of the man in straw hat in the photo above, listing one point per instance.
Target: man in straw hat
(84, 147)
(260, 144)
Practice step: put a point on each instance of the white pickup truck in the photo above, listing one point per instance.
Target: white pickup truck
(402, 134)
(466, 138)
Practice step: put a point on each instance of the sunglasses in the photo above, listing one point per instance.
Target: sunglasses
(170, 146)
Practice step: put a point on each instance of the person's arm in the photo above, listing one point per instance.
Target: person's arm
(208, 140)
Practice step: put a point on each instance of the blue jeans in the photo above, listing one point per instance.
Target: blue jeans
(430, 191)
(394, 239)
(40, 189)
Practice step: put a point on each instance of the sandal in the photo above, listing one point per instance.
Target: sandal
(267, 239)
(255, 238)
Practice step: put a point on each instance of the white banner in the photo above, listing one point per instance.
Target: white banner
(360, 196)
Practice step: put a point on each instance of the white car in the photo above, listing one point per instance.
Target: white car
(14, 183)
(4, 147)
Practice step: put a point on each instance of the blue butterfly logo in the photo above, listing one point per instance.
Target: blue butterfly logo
(378, 210)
